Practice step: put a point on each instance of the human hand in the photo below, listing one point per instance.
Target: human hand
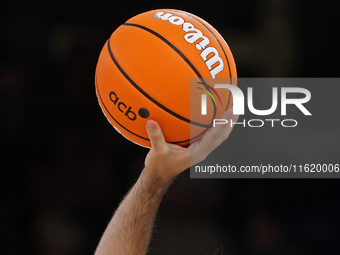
(165, 161)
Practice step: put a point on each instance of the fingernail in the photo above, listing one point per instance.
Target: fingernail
(150, 125)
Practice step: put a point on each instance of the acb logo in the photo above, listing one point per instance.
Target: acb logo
(127, 110)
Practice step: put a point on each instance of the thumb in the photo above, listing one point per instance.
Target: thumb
(155, 134)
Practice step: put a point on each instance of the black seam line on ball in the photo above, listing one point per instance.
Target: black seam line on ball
(149, 97)
(168, 43)
(225, 55)
(185, 59)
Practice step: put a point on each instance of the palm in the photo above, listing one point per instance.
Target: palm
(168, 160)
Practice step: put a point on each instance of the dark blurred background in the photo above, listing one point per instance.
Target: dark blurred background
(64, 169)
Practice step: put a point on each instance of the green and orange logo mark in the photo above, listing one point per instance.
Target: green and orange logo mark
(206, 90)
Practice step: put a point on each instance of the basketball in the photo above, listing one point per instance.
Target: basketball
(155, 66)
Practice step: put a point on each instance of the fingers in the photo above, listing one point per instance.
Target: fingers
(220, 132)
(213, 137)
(155, 135)
(198, 151)
(223, 131)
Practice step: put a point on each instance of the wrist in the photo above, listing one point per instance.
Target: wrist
(157, 181)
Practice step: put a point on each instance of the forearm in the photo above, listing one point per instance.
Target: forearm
(130, 229)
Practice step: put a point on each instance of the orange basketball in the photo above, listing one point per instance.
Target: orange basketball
(144, 72)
